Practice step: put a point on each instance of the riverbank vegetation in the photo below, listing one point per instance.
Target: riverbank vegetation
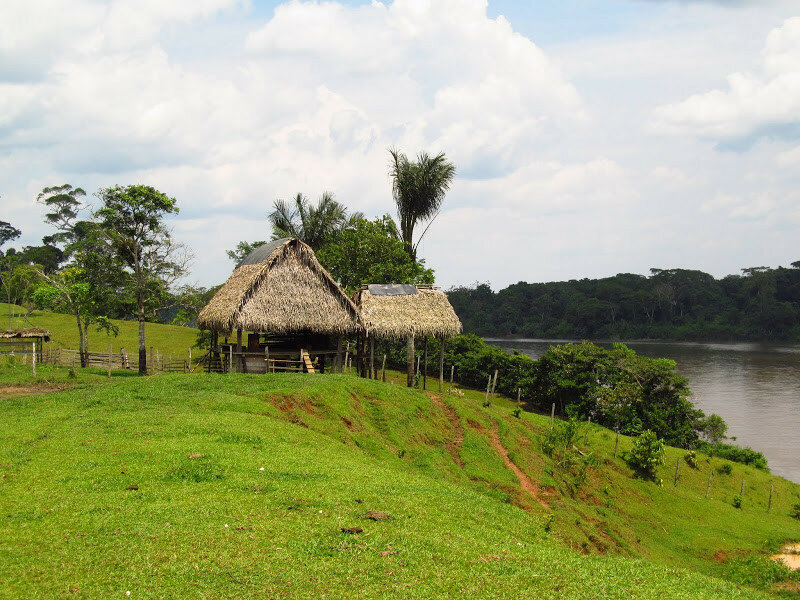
(760, 304)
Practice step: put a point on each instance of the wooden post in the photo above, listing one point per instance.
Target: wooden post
(190, 357)
(230, 358)
(708, 485)
(410, 361)
(372, 373)
(488, 386)
(519, 395)
(337, 361)
(346, 366)
(494, 384)
(677, 466)
(741, 489)
(416, 374)
(769, 504)
(425, 365)
(616, 443)
(552, 414)
(452, 371)
(383, 370)
(441, 365)
(239, 357)
(33, 359)
(152, 361)
(110, 350)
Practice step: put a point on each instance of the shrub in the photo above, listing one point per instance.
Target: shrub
(737, 501)
(646, 456)
(691, 459)
(725, 469)
(740, 454)
(795, 511)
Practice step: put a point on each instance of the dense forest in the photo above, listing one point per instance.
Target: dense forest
(760, 304)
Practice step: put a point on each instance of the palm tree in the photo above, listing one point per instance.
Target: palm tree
(315, 225)
(418, 189)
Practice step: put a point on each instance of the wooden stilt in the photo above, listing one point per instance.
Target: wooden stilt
(441, 366)
(425, 365)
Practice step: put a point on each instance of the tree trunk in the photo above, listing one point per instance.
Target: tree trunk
(425, 365)
(410, 365)
(142, 347)
(82, 343)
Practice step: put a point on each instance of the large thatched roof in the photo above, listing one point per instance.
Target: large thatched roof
(32, 333)
(285, 292)
(397, 311)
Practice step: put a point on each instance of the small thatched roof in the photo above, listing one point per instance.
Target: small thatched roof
(287, 291)
(32, 333)
(397, 311)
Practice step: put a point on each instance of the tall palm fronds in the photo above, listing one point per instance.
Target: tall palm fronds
(314, 225)
(418, 189)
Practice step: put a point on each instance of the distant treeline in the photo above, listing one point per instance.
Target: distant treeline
(760, 304)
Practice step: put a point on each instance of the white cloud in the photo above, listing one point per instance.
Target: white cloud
(766, 103)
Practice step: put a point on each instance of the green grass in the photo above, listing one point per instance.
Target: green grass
(245, 482)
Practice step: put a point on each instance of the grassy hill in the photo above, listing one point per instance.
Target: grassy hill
(206, 486)
(166, 339)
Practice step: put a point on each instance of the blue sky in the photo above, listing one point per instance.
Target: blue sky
(589, 137)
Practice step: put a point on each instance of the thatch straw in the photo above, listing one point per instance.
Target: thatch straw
(428, 312)
(288, 293)
(33, 332)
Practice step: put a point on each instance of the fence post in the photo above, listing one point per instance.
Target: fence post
(708, 485)
(677, 466)
(33, 359)
(769, 504)
(452, 370)
(110, 350)
(494, 383)
(741, 489)
(383, 370)
(488, 386)
(230, 358)
(552, 414)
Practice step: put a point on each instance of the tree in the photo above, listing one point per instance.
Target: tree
(133, 219)
(243, 249)
(314, 225)
(64, 207)
(371, 252)
(418, 189)
(71, 290)
(7, 233)
(646, 456)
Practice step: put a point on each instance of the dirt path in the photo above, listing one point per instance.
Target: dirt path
(525, 482)
(454, 445)
(790, 556)
(28, 390)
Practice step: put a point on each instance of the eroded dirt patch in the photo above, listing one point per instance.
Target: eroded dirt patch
(454, 445)
(789, 555)
(7, 391)
(525, 482)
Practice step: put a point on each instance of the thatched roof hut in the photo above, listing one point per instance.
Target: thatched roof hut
(33, 333)
(402, 311)
(281, 288)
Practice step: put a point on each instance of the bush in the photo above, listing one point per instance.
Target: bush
(744, 455)
(725, 469)
(737, 501)
(691, 459)
(795, 511)
(646, 456)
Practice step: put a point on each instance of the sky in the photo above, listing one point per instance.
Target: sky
(589, 137)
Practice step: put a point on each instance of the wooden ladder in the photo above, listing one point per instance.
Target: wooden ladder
(307, 360)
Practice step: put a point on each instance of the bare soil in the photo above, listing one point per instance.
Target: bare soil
(454, 445)
(28, 390)
(525, 482)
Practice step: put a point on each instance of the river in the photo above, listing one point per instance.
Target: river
(754, 387)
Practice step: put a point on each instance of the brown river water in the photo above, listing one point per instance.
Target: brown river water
(754, 387)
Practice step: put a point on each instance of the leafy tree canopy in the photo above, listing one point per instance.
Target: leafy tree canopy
(316, 225)
(371, 252)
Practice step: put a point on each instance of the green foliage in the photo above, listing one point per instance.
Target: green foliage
(714, 428)
(795, 511)
(725, 469)
(757, 571)
(737, 501)
(242, 249)
(691, 459)
(617, 387)
(679, 304)
(371, 252)
(646, 456)
(740, 454)
(418, 188)
(315, 225)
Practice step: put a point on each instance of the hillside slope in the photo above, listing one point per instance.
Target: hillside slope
(239, 486)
